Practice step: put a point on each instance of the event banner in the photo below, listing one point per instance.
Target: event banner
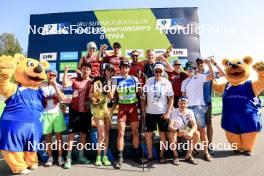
(62, 37)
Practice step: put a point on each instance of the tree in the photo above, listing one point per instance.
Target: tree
(9, 45)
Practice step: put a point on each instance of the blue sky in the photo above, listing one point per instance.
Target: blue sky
(243, 18)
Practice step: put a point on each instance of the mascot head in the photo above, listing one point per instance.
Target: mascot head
(237, 71)
(30, 72)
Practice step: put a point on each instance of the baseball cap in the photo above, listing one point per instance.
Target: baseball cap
(199, 59)
(159, 66)
(124, 63)
(189, 65)
(183, 98)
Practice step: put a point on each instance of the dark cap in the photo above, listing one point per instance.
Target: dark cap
(183, 98)
(199, 60)
(125, 63)
(188, 65)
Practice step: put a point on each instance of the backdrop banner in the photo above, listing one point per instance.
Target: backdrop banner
(61, 38)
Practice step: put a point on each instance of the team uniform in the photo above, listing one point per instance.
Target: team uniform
(127, 99)
(79, 111)
(53, 117)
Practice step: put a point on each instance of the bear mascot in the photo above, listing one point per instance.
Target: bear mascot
(21, 121)
(241, 116)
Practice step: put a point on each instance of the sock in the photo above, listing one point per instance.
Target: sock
(81, 152)
(69, 155)
(120, 154)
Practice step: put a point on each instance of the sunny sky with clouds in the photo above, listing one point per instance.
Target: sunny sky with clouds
(243, 21)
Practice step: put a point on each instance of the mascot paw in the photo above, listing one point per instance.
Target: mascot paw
(259, 67)
(8, 65)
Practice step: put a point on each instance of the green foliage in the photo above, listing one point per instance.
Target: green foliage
(9, 45)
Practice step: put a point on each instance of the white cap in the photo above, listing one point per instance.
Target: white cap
(159, 66)
(91, 45)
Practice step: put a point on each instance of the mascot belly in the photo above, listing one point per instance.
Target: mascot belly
(241, 116)
(21, 122)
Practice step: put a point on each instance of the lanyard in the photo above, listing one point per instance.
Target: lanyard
(155, 95)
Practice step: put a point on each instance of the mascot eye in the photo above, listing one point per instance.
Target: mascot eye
(40, 65)
(240, 62)
(229, 64)
(30, 64)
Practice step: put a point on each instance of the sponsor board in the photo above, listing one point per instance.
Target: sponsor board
(179, 52)
(69, 56)
(140, 51)
(73, 65)
(159, 52)
(58, 28)
(52, 66)
(48, 56)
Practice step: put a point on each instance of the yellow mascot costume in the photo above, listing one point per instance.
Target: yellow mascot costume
(21, 121)
(241, 117)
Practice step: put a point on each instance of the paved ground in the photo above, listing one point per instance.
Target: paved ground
(225, 163)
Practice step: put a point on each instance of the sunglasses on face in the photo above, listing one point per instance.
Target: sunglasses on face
(177, 64)
(134, 55)
(191, 68)
(158, 71)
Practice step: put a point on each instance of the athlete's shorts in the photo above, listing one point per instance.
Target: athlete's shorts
(53, 122)
(153, 119)
(79, 121)
(100, 111)
(127, 112)
(199, 114)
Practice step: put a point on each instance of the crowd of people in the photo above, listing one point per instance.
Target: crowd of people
(172, 99)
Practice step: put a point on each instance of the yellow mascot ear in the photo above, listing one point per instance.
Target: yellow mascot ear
(45, 64)
(225, 62)
(248, 60)
(19, 57)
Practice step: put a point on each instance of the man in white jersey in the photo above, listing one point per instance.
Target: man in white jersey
(192, 87)
(182, 123)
